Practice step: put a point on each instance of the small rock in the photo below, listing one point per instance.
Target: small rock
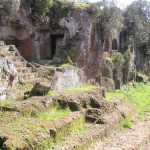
(2, 43)
(41, 88)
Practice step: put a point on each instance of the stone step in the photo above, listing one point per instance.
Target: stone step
(27, 76)
(41, 130)
(24, 70)
(90, 134)
(18, 64)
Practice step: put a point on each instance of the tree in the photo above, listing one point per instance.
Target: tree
(111, 17)
(137, 21)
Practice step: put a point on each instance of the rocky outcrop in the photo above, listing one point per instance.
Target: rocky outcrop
(118, 70)
(84, 41)
(8, 72)
(79, 38)
(41, 88)
(31, 42)
(68, 77)
(64, 76)
(70, 35)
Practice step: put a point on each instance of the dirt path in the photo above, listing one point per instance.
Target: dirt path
(135, 138)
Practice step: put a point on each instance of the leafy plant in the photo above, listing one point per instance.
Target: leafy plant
(93, 10)
(40, 12)
(118, 59)
(67, 54)
(126, 123)
(6, 103)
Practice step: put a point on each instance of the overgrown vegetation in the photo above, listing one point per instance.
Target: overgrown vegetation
(128, 64)
(126, 123)
(83, 89)
(67, 54)
(40, 12)
(6, 103)
(138, 96)
(118, 59)
(110, 19)
(54, 114)
(8, 8)
(137, 21)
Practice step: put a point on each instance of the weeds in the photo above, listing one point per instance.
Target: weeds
(126, 123)
(83, 89)
(139, 97)
(6, 103)
(54, 114)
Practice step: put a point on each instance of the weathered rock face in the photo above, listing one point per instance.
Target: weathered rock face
(118, 70)
(32, 44)
(65, 76)
(8, 72)
(75, 30)
(68, 77)
(84, 41)
(143, 61)
(72, 37)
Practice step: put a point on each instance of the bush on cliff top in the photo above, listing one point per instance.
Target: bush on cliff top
(40, 10)
(92, 9)
(7, 8)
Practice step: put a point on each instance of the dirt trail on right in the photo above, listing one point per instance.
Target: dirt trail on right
(135, 138)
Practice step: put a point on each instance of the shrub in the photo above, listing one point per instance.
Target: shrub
(7, 8)
(118, 59)
(126, 123)
(127, 57)
(67, 54)
(65, 8)
(40, 12)
(93, 10)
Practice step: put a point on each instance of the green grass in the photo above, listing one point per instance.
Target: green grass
(54, 114)
(83, 89)
(79, 128)
(6, 103)
(139, 97)
(81, 5)
(126, 123)
(51, 92)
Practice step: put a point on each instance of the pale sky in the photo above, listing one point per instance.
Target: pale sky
(121, 3)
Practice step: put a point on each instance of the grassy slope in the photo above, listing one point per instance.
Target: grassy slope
(139, 96)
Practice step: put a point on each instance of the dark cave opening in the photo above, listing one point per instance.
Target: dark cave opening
(54, 39)
(106, 46)
(11, 40)
(114, 44)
